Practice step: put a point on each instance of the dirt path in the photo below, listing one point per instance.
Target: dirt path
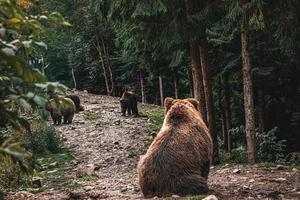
(107, 147)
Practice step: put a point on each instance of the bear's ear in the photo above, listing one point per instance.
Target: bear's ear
(194, 102)
(168, 103)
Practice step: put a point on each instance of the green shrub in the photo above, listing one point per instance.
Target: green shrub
(45, 139)
(269, 148)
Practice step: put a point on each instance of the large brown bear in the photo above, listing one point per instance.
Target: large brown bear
(128, 103)
(76, 101)
(178, 160)
(61, 107)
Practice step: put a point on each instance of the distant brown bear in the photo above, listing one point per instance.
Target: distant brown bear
(62, 107)
(128, 103)
(76, 101)
(178, 160)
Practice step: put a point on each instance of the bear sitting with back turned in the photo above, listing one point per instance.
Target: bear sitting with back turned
(128, 103)
(178, 160)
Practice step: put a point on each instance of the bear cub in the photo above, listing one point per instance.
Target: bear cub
(76, 101)
(129, 103)
(61, 108)
(178, 160)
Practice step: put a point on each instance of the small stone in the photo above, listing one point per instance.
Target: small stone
(52, 171)
(236, 171)
(88, 170)
(210, 197)
(53, 165)
(294, 169)
(85, 91)
(280, 179)
(212, 167)
(251, 180)
(175, 196)
(36, 182)
(88, 188)
(280, 167)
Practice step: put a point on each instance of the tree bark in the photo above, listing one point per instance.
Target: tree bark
(161, 89)
(73, 78)
(142, 88)
(227, 110)
(248, 92)
(223, 115)
(198, 88)
(209, 96)
(175, 85)
(98, 47)
(260, 111)
(111, 78)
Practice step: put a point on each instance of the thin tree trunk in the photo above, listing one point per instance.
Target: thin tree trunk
(227, 110)
(161, 89)
(223, 115)
(248, 92)
(260, 110)
(111, 78)
(98, 47)
(142, 88)
(73, 78)
(175, 85)
(198, 87)
(209, 96)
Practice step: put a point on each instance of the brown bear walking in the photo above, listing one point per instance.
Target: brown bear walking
(178, 160)
(128, 103)
(61, 108)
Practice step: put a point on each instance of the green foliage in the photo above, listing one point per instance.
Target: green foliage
(45, 139)
(156, 118)
(269, 148)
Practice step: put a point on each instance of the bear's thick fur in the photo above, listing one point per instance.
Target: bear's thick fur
(61, 107)
(76, 101)
(178, 160)
(128, 103)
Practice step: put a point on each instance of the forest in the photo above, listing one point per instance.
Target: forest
(239, 59)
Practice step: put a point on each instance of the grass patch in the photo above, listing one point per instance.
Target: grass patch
(88, 178)
(273, 165)
(91, 116)
(156, 117)
(55, 178)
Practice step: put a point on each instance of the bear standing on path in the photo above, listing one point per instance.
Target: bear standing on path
(128, 103)
(62, 107)
(178, 160)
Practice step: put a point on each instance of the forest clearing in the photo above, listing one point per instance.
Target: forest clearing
(149, 99)
(107, 147)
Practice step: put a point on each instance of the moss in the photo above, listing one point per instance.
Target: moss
(156, 117)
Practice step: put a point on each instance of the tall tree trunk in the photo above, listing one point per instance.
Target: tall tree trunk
(260, 110)
(142, 88)
(175, 85)
(223, 115)
(73, 78)
(111, 78)
(248, 91)
(227, 110)
(161, 89)
(98, 47)
(198, 87)
(209, 96)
